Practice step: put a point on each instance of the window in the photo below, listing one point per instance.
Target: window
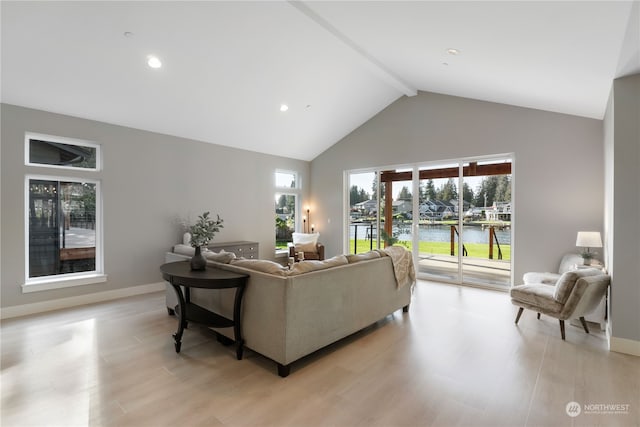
(286, 207)
(62, 215)
(57, 152)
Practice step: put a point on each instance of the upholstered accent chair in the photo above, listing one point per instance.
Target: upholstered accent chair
(567, 263)
(575, 294)
(307, 243)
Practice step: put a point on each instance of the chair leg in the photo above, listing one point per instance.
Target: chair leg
(520, 310)
(584, 324)
(562, 328)
(538, 316)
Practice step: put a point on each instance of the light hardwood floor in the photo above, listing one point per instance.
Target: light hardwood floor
(455, 359)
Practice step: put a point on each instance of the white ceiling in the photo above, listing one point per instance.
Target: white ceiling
(228, 66)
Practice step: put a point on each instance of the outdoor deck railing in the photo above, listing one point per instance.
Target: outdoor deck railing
(493, 236)
(454, 233)
(370, 236)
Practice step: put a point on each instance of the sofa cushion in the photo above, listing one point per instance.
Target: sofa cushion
(362, 257)
(306, 247)
(308, 266)
(537, 295)
(262, 265)
(567, 281)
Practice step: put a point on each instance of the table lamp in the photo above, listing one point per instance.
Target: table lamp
(588, 239)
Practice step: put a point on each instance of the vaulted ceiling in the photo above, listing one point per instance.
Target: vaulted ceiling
(227, 67)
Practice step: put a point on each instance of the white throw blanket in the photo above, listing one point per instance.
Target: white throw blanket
(402, 265)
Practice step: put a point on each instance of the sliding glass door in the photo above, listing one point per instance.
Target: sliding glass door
(487, 224)
(455, 217)
(363, 219)
(438, 235)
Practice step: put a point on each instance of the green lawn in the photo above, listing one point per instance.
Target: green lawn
(475, 250)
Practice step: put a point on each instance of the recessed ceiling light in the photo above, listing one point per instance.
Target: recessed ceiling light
(154, 62)
(452, 51)
(284, 107)
(445, 63)
(128, 34)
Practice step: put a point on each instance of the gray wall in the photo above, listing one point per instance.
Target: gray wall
(622, 148)
(148, 181)
(558, 168)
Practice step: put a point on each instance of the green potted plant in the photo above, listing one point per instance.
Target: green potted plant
(202, 232)
(388, 240)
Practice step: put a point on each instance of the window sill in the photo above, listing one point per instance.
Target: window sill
(49, 283)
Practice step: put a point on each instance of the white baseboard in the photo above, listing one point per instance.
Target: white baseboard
(57, 304)
(623, 345)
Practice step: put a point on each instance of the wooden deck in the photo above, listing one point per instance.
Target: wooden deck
(475, 270)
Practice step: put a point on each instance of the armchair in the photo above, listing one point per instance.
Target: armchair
(566, 264)
(575, 294)
(307, 243)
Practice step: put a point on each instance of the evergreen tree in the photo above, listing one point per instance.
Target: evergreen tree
(503, 188)
(467, 193)
(357, 195)
(488, 189)
(448, 191)
(405, 194)
(282, 201)
(430, 190)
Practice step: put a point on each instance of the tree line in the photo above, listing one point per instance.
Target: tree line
(494, 188)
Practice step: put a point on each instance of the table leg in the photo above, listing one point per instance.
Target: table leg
(237, 329)
(182, 323)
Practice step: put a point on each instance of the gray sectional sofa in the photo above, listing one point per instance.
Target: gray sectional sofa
(288, 314)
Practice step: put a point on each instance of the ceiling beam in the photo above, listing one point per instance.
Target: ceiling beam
(473, 169)
(372, 63)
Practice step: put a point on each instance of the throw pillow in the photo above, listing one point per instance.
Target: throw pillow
(305, 238)
(262, 265)
(567, 281)
(184, 250)
(222, 256)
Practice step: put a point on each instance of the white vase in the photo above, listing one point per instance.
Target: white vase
(186, 238)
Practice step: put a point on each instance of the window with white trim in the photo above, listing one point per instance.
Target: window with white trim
(63, 223)
(287, 201)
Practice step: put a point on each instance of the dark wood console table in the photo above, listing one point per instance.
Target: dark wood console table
(180, 274)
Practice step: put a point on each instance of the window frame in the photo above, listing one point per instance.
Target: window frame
(286, 187)
(64, 280)
(28, 136)
(80, 175)
(290, 191)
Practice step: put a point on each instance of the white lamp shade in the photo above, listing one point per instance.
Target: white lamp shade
(589, 239)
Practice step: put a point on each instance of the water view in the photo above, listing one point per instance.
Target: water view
(438, 233)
